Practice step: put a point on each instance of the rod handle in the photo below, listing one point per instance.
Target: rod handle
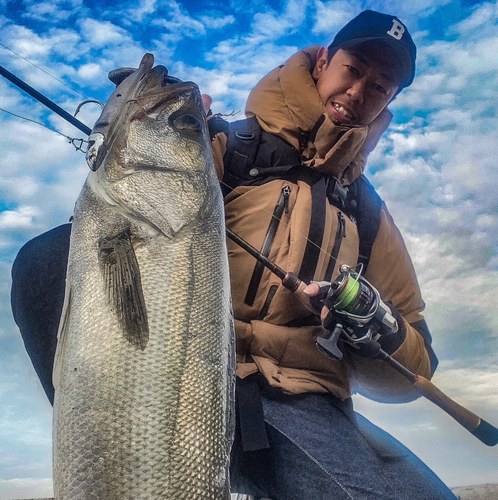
(481, 429)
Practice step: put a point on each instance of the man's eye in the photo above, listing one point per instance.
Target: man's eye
(380, 89)
(353, 70)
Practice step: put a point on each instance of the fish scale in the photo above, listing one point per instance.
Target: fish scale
(144, 399)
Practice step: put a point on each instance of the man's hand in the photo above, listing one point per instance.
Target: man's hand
(316, 293)
(206, 103)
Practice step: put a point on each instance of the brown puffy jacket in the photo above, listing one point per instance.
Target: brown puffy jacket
(287, 104)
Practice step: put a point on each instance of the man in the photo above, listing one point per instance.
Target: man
(295, 190)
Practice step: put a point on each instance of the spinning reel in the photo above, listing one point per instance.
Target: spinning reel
(357, 313)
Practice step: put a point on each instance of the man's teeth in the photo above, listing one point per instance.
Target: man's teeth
(343, 111)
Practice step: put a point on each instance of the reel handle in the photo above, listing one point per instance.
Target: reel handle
(328, 346)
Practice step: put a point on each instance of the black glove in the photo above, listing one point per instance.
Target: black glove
(391, 341)
(216, 124)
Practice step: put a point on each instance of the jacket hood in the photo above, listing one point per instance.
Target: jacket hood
(286, 103)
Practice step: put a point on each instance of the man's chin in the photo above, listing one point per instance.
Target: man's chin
(341, 123)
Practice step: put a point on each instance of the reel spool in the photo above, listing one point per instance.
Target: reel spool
(352, 295)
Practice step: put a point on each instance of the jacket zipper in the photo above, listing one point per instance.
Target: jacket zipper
(281, 207)
(339, 235)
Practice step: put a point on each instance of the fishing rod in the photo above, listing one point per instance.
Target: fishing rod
(45, 100)
(357, 304)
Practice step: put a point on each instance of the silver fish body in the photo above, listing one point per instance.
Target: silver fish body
(144, 367)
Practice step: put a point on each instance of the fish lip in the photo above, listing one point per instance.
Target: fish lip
(155, 100)
(151, 92)
(154, 97)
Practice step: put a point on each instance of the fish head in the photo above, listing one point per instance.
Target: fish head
(150, 152)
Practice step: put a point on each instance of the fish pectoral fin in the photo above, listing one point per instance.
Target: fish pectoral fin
(123, 285)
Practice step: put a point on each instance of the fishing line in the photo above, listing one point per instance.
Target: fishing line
(77, 143)
(44, 71)
(287, 225)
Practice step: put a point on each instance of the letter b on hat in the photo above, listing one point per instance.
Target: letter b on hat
(397, 30)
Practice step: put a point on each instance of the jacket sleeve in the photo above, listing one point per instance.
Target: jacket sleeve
(391, 271)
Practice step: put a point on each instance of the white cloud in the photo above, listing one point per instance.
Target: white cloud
(25, 42)
(144, 8)
(333, 15)
(476, 58)
(90, 71)
(22, 218)
(273, 25)
(443, 161)
(480, 18)
(476, 387)
(26, 487)
(179, 22)
(102, 33)
(65, 43)
(217, 21)
(22, 187)
(47, 11)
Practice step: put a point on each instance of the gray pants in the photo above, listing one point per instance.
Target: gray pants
(317, 452)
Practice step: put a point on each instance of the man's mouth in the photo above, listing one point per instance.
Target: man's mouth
(344, 112)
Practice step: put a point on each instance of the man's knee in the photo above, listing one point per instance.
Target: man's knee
(37, 297)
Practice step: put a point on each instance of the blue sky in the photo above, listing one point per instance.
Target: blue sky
(436, 168)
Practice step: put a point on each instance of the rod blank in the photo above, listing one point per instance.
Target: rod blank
(45, 100)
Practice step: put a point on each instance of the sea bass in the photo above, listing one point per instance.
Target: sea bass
(144, 369)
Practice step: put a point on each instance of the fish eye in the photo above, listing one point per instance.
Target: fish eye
(187, 123)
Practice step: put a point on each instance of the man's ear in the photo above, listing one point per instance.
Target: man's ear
(321, 62)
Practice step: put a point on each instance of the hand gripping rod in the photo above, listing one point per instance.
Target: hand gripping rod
(481, 429)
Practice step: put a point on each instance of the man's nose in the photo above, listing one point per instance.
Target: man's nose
(357, 90)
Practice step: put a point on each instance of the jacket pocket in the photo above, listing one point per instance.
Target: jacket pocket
(281, 207)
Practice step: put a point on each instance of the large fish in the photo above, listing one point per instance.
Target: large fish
(144, 368)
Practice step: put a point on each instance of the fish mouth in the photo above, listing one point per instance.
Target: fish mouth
(153, 91)
(156, 88)
(154, 101)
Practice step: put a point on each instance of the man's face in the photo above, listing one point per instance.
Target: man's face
(355, 86)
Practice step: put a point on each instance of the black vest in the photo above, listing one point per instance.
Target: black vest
(255, 157)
